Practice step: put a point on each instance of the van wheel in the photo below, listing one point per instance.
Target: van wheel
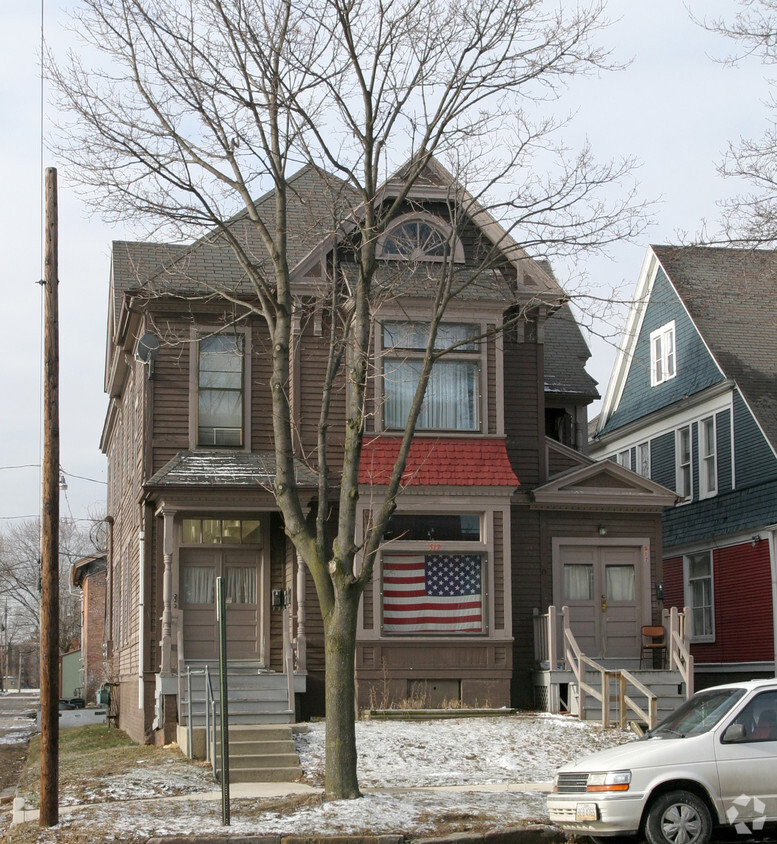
(678, 817)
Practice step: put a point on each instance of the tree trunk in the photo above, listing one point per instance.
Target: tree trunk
(340, 649)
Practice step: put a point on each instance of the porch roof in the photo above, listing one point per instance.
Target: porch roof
(226, 468)
(439, 461)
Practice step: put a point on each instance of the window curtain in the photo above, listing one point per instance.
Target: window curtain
(198, 585)
(451, 395)
(620, 583)
(578, 582)
(241, 585)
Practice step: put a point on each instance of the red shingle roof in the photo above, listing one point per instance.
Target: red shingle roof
(442, 461)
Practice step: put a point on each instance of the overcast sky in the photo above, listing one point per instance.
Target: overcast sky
(673, 108)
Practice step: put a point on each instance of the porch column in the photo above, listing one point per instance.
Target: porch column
(167, 592)
(302, 638)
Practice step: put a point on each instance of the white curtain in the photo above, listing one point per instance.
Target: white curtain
(578, 582)
(241, 585)
(198, 585)
(620, 583)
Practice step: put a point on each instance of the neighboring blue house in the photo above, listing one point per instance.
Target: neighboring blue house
(692, 404)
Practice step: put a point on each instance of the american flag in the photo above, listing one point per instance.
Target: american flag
(432, 593)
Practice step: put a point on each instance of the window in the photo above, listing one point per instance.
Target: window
(452, 400)
(662, 354)
(220, 390)
(683, 462)
(434, 574)
(708, 466)
(419, 238)
(643, 459)
(699, 594)
(758, 719)
(624, 458)
(221, 532)
(578, 582)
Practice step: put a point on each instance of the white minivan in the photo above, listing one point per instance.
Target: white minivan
(712, 762)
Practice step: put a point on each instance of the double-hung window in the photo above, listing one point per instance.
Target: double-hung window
(220, 365)
(624, 458)
(699, 594)
(452, 399)
(662, 354)
(708, 463)
(643, 459)
(683, 462)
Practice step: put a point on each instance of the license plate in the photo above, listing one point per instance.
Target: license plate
(586, 812)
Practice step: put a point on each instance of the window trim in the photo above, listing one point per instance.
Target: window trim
(477, 356)
(687, 581)
(680, 467)
(197, 334)
(434, 222)
(704, 456)
(667, 358)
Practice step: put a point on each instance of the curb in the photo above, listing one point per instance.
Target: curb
(534, 834)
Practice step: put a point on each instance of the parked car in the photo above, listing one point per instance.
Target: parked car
(712, 762)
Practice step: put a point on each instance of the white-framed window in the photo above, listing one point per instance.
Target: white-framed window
(419, 237)
(453, 393)
(643, 459)
(699, 592)
(624, 458)
(663, 365)
(708, 458)
(220, 390)
(434, 575)
(683, 463)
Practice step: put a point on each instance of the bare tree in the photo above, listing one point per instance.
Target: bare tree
(20, 579)
(187, 110)
(750, 219)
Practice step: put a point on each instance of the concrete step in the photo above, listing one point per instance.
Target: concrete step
(260, 762)
(264, 774)
(285, 716)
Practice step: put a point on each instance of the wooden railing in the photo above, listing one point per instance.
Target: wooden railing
(677, 625)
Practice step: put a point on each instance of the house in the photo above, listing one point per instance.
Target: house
(692, 404)
(90, 575)
(498, 489)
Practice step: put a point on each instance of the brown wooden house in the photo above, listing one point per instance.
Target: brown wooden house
(500, 502)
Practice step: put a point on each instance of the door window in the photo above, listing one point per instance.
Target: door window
(198, 585)
(578, 582)
(620, 583)
(241, 584)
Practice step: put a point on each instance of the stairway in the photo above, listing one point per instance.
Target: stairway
(263, 753)
(261, 743)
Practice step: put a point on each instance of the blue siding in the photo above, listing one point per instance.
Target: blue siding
(695, 368)
(733, 512)
(662, 468)
(723, 440)
(755, 461)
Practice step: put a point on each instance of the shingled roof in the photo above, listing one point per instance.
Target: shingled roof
(566, 353)
(731, 295)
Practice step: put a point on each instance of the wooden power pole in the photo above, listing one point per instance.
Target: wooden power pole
(49, 540)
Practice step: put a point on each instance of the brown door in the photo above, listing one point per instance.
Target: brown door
(199, 569)
(600, 585)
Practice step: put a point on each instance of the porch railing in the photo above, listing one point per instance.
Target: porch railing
(679, 644)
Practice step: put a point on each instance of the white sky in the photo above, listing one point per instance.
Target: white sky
(673, 108)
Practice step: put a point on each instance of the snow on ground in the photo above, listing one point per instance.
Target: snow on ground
(15, 729)
(396, 758)
(461, 751)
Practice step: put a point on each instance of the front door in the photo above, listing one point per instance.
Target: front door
(240, 569)
(601, 586)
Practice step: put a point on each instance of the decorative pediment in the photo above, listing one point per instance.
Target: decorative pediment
(603, 485)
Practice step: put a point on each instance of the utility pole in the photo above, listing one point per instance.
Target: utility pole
(49, 541)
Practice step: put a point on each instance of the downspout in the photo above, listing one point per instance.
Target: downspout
(773, 565)
(141, 618)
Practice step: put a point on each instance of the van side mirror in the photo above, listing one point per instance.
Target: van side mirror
(735, 732)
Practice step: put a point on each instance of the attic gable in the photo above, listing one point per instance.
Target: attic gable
(603, 485)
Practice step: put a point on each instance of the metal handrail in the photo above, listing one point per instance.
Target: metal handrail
(210, 717)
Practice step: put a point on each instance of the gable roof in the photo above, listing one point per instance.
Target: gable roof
(730, 296)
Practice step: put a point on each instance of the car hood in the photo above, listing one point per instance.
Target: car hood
(638, 754)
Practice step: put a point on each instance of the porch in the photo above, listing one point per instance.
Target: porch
(614, 690)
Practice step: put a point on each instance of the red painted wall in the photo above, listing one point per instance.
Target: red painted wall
(743, 603)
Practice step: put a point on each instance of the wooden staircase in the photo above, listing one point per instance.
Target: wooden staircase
(261, 742)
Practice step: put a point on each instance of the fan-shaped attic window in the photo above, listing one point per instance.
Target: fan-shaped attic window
(419, 238)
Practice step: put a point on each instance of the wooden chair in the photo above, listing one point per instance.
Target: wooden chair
(653, 642)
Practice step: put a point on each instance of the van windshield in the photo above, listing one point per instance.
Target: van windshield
(697, 715)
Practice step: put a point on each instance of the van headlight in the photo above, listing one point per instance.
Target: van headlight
(609, 781)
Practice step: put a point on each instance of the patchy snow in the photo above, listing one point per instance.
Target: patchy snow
(16, 729)
(491, 768)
